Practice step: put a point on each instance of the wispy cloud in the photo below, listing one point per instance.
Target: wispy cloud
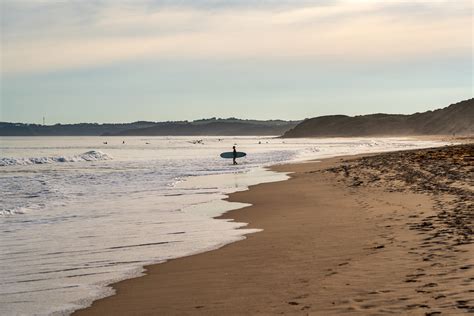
(43, 35)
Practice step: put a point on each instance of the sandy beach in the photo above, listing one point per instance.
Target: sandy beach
(379, 234)
(236, 157)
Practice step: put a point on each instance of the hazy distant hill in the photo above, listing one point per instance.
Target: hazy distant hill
(213, 126)
(82, 129)
(457, 118)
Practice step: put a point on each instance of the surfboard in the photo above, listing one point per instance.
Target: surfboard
(231, 155)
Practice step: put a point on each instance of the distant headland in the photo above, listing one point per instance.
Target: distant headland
(455, 119)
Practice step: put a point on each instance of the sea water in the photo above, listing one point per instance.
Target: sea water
(78, 213)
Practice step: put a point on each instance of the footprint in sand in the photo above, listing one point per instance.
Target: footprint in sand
(330, 273)
(301, 296)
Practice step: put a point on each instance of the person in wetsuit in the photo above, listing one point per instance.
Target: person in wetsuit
(235, 155)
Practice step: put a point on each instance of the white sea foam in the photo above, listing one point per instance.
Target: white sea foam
(7, 212)
(92, 155)
(69, 229)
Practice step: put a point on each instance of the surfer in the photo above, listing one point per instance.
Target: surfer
(234, 152)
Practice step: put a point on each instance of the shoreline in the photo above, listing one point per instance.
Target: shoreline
(89, 240)
(278, 258)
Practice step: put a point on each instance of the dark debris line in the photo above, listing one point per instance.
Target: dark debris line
(447, 174)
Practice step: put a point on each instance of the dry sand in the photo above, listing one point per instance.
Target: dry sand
(390, 233)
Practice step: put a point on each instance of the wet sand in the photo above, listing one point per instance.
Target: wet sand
(389, 233)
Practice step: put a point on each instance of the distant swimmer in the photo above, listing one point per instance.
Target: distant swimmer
(105, 143)
(123, 142)
(234, 152)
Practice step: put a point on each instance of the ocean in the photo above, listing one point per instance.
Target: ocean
(77, 214)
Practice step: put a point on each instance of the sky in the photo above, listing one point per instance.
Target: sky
(100, 61)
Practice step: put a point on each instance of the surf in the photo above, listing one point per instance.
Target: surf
(93, 155)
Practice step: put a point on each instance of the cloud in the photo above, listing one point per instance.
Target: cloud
(39, 36)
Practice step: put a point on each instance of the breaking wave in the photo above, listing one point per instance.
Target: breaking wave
(7, 212)
(93, 155)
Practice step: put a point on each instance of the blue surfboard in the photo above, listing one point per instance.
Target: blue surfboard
(231, 155)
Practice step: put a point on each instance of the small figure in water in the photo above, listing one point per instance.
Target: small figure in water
(235, 155)
(123, 142)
